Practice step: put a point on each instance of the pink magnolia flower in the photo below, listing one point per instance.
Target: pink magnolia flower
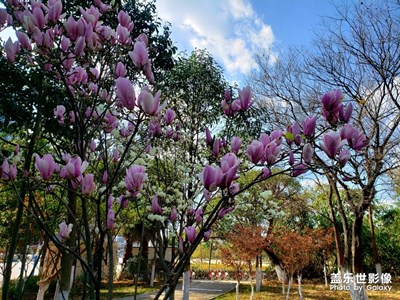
(11, 50)
(229, 166)
(46, 166)
(104, 178)
(355, 138)
(125, 20)
(295, 131)
(308, 152)
(148, 103)
(59, 112)
(266, 172)
(207, 235)
(190, 233)
(115, 155)
(110, 218)
(331, 104)
(80, 46)
(245, 97)
(124, 36)
(299, 169)
(55, 10)
(332, 144)
(123, 201)
(139, 55)
(125, 93)
(65, 230)
(211, 177)
(74, 168)
(8, 171)
(344, 156)
(271, 152)
(224, 211)
(174, 215)
(215, 149)
(236, 105)
(199, 214)
(120, 70)
(345, 113)
(169, 116)
(235, 144)
(135, 176)
(24, 40)
(309, 126)
(87, 184)
(255, 151)
(155, 206)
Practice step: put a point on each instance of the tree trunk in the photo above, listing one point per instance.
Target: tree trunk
(237, 289)
(289, 287)
(377, 259)
(186, 283)
(258, 274)
(357, 291)
(325, 275)
(67, 260)
(299, 277)
(128, 253)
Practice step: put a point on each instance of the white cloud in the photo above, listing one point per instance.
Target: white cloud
(229, 29)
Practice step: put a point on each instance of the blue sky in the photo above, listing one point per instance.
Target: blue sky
(234, 30)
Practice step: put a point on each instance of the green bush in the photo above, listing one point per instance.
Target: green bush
(30, 289)
(132, 267)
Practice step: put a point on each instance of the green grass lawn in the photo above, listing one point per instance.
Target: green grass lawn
(272, 290)
(125, 289)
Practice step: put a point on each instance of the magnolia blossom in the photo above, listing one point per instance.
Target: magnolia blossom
(345, 113)
(169, 116)
(235, 144)
(135, 176)
(245, 97)
(309, 126)
(344, 156)
(155, 207)
(331, 105)
(211, 177)
(8, 171)
(125, 93)
(332, 144)
(207, 235)
(74, 168)
(110, 218)
(229, 166)
(308, 152)
(174, 215)
(46, 166)
(224, 211)
(59, 112)
(87, 184)
(190, 233)
(255, 151)
(148, 103)
(139, 55)
(199, 214)
(299, 169)
(65, 230)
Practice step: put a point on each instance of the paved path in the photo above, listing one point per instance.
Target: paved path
(199, 290)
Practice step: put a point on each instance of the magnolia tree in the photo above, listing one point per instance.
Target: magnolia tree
(98, 163)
